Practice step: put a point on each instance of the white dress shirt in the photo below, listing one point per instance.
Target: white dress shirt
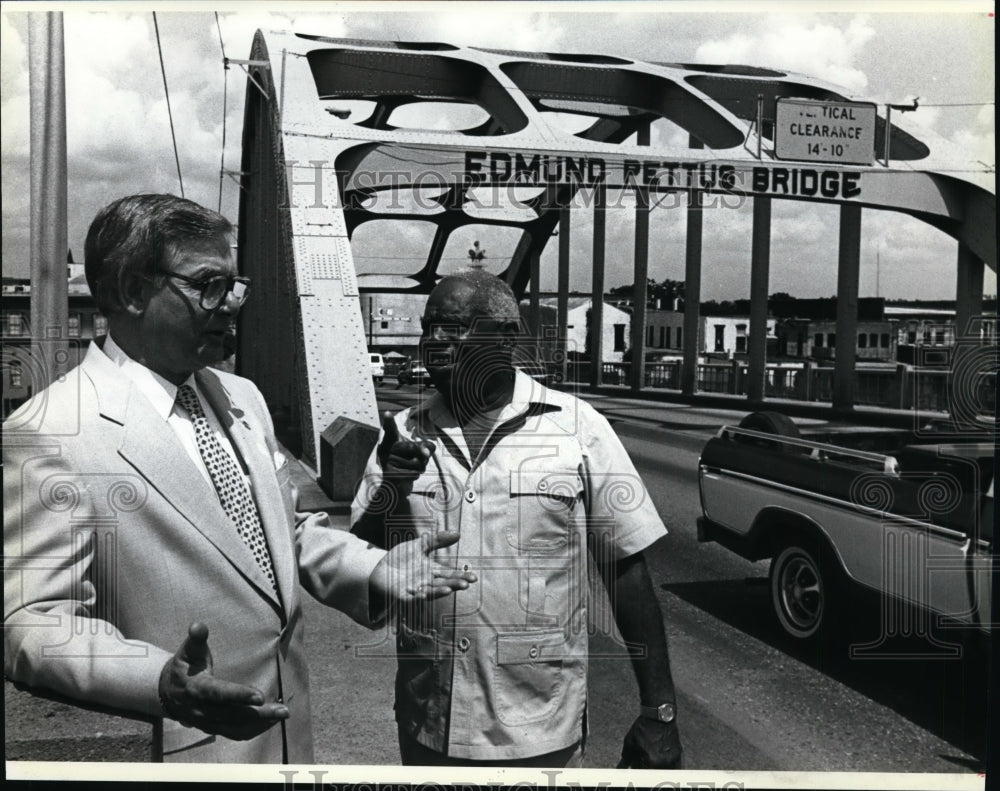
(163, 397)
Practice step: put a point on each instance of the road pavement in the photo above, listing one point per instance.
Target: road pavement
(747, 698)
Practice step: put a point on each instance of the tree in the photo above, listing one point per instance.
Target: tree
(666, 291)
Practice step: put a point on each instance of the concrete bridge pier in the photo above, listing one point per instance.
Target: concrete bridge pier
(968, 291)
(848, 272)
(760, 264)
(692, 293)
(597, 285)
(970, 358)
(639, 289)
(562, 300)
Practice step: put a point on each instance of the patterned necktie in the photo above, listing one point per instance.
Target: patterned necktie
(234, 494)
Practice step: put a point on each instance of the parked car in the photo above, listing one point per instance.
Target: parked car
(907, 514)
(378, 366)
(413, 372)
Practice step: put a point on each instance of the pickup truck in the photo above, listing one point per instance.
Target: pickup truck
(907, 514)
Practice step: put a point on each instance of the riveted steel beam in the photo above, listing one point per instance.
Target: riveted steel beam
(372, 139)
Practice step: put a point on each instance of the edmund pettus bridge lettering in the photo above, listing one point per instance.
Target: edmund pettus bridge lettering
(484, 168)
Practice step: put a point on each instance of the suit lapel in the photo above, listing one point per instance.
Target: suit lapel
(248, 437)
(152, 448)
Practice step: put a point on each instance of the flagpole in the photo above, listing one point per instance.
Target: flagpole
(49, 298)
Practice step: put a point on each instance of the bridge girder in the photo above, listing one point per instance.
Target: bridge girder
(317, 170)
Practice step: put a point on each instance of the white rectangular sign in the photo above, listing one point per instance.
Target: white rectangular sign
(825, 131)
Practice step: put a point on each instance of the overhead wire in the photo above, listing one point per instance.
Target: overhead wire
(170, 115)
(225, 97)
(958, 104)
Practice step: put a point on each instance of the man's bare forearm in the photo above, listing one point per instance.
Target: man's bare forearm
(640, 621)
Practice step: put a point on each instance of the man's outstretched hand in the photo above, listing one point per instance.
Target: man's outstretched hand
(409, 573)
(650, 744)
(193, 696)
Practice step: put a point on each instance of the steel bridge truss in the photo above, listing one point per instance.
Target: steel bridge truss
(340, 134)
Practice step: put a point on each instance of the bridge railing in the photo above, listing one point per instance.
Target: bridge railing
(903, 387)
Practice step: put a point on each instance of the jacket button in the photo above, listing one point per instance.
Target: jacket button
(463, 644)
(470, 496)
(542, 486)
(533, 651)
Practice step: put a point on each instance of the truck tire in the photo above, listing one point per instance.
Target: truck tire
(770, 423)
(806, 591)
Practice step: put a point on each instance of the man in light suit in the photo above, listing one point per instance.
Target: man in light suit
(148, 505)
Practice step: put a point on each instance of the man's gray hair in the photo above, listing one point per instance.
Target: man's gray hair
(141, 234)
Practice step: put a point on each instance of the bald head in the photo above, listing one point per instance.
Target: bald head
(470, 328)
(473, 294)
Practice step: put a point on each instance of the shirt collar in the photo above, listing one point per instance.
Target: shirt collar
(527, 393)
(160, 392)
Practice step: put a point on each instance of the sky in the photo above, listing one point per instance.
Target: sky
(119, 139)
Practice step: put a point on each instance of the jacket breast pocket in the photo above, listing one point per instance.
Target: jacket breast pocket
(540, 507)
(527, 679)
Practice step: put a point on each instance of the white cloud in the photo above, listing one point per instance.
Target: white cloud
(119, 46)
(482, 27)
(238, 29)
(980, 141)
(15, 126)
(813, 48)
(13, 56)
(14, 87)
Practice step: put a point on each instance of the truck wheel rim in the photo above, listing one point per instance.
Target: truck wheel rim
(801, 593)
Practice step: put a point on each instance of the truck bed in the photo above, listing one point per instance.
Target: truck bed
(907, 514)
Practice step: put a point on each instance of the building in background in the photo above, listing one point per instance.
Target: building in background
(614, 332)
(719, 337)
(392, 326)
(816, 339)
(20, 350)
(925, 335)
(917, 335)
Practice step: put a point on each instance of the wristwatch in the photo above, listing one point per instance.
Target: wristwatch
(664, 712)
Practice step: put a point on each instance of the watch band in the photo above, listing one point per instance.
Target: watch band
(665, 712)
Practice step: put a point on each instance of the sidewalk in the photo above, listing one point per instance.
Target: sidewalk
(37, 729)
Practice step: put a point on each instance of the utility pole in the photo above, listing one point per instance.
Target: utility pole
(49, 289)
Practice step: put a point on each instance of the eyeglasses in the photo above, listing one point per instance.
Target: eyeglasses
(452, 333)
(484, 329)
(215, 290)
